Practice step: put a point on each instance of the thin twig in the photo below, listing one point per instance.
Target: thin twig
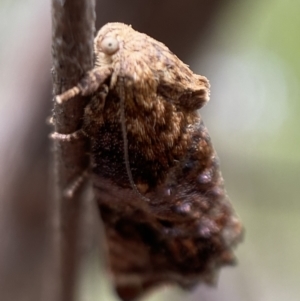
(72, 51)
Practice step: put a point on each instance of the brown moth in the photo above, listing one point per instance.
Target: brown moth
(155, 172)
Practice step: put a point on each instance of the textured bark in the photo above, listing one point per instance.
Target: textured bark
(72, 43)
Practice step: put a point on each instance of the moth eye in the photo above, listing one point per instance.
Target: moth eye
(109, 45)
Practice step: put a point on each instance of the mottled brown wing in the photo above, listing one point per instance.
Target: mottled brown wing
(183, 235)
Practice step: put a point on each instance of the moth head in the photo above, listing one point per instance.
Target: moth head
(109, 42)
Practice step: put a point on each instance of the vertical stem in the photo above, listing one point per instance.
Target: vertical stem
(72, 51)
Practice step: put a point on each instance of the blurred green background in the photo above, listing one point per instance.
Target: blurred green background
(254, 67)
(250, 52)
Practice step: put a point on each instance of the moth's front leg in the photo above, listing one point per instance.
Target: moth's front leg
(88, 85)
(67, 137)
(93, 115)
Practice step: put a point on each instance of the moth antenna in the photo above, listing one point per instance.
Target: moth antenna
(125, 141)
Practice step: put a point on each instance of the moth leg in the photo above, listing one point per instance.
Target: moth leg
(67, 137)
(68, 94)
(70, 191)
(88, 85)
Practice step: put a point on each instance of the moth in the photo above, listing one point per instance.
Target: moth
(156, 175)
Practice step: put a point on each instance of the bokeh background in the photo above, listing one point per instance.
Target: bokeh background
(250, 52)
